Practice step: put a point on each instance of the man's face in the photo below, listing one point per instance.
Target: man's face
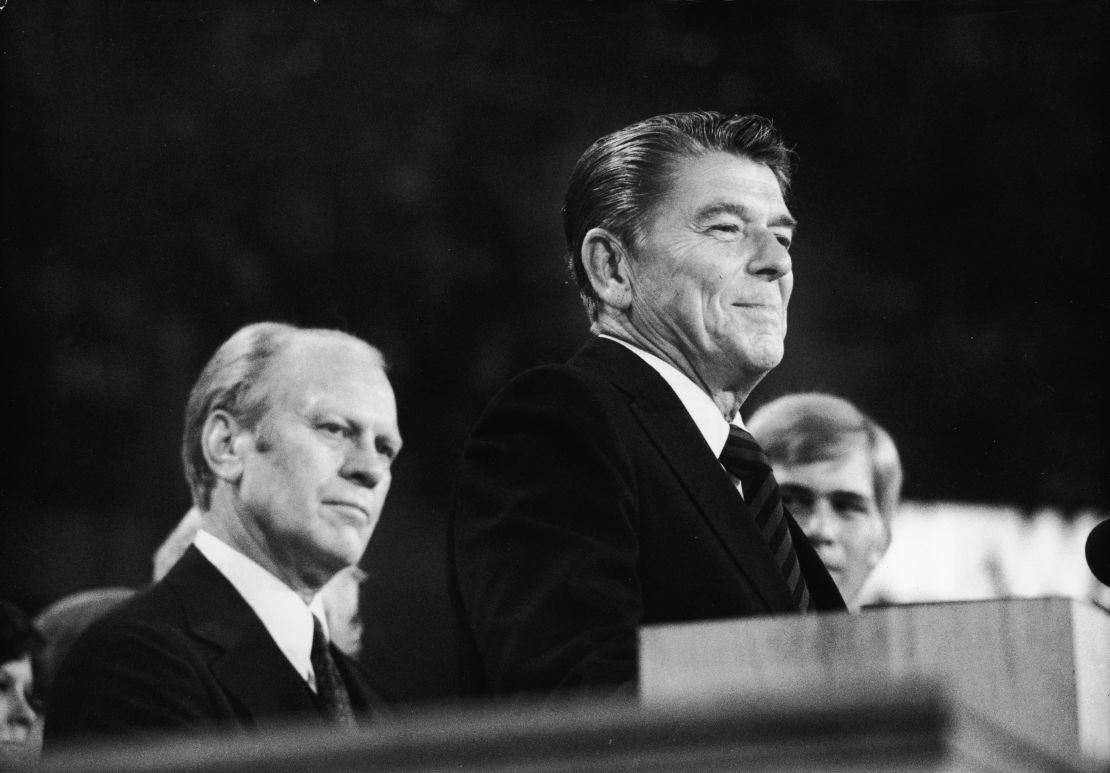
(834, 503)
(316, 469)
(17, 713)
(712, 275)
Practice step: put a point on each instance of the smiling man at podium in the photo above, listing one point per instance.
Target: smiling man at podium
(621, 489)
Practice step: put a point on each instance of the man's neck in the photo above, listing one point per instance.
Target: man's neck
(728, 401)
(222, 522)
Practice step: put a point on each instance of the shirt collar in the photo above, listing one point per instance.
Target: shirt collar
(284, 614)
(697, 403)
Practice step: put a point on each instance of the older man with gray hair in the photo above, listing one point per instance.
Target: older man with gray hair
(289, 438)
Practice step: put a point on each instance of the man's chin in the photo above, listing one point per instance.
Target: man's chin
(352, 552)
(760, 356)
(834, 569)
(343, 552)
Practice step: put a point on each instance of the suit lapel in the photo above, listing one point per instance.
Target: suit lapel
(249, 666)
(676, 437)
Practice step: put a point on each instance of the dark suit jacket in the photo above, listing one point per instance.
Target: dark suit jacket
(588, 504)
(186, 654)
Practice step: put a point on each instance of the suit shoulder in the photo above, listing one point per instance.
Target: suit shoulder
(554, 387)
(554, 376)
(550, 402)
(152, 614)
(132, 670)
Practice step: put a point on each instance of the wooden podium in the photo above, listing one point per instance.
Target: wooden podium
(876, 691)
(1036, 668)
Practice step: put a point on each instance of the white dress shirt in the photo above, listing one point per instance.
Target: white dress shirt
(286, 617)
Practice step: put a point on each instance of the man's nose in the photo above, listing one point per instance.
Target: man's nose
(365, 465)
(821, 524)
(772, 259)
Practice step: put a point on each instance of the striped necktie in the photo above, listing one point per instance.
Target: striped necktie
(330, 689)
(743, 458)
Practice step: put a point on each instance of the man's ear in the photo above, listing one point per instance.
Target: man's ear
(222, 440)
(607, 265)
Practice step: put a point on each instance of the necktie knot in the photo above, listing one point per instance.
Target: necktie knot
(742, 455)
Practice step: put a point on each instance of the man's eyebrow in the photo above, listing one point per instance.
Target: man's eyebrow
(852, 496)
(783, 220)
(722, 208)
(856, 494)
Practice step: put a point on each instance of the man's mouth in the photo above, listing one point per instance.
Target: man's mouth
(832, 566)
(770, 309)
(353, 509)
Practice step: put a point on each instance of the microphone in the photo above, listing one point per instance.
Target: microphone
(1098, 551)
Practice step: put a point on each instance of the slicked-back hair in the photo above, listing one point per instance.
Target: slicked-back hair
(236, 380)
(622, 175)
(817, 427)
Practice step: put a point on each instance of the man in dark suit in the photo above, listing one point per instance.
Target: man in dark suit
(289, 439)
(620, 489)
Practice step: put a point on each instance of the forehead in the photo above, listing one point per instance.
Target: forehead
(847, 472)
(321, 369)
(719, 177)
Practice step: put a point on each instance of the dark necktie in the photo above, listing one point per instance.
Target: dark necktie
(743, 457)
(332, 692)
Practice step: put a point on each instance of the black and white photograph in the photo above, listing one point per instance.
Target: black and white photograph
(456, 385)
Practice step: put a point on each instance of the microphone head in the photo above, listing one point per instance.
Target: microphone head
(1098, 551)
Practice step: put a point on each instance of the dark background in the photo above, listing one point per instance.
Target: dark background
(173, 171)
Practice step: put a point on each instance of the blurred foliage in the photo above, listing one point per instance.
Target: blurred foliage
(175, 170)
